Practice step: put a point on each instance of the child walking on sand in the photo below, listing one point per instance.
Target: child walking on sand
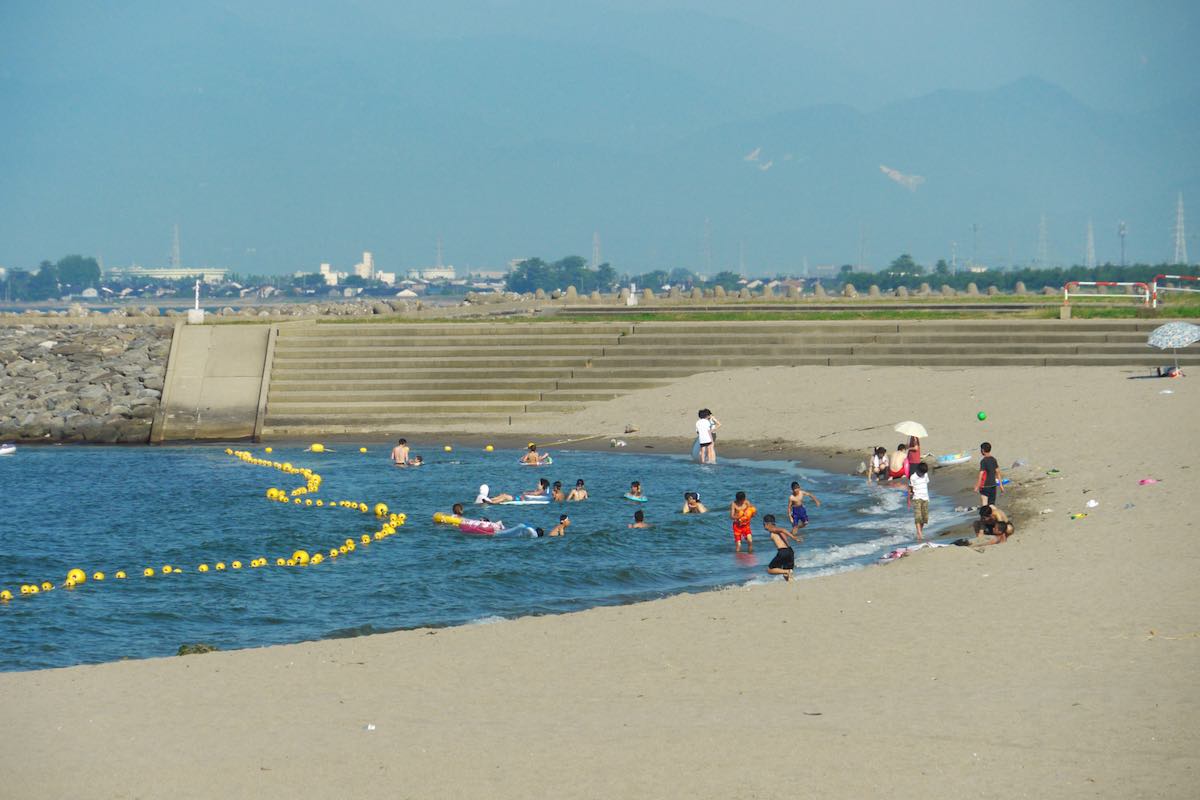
(918, 497)
(796, 509)
(741, 512)
(785, 557)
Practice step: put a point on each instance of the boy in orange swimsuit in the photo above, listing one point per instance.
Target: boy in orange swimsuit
(741, 512)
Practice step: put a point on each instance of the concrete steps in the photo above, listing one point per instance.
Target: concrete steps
(356, 378)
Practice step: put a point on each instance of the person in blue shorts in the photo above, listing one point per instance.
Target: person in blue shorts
(796, 509)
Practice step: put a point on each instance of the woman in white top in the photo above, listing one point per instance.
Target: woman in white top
(706, 435)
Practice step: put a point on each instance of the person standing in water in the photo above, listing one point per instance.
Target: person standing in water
(741, 512)
(639, 520)
(706, 435)
(796, 509)
(400, 453)
(785, 557)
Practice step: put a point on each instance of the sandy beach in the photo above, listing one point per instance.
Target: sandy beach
(1062, 664)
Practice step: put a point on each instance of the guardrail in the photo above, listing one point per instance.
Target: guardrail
(1144, 294)
(1155, 288)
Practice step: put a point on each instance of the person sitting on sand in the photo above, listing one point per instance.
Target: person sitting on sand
(487, 499)
(579, 492)
(898, 463)
(877, 467)
(741, 512)
(635, 489)
(993, 522)
(564, 522)
(639, 520)
(533, 456)
(785, 557)
(556, 493)
(400, 453)
(796, 509)
(542, 490)
(692, 504)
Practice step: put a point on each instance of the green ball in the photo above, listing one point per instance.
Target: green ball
(982, 415)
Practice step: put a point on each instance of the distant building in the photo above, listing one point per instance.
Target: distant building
(485, 274)
(366, 267)
(89, 293)
(206, 274)
(330, 275)
(976, 268)
(386, 278)
(433, 274)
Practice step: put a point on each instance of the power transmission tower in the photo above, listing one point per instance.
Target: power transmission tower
(708, 246)
(954, 258)
(1181, 256)
(595, 249)
(974, 243)
(176, 260)
(1090, 255)
(1121, 231)
(1043, 254)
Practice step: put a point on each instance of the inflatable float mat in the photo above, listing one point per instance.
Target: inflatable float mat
(528, 501)
(481, 527)
(544, 462)
(446, 519)
(635, 499)
(953, 458)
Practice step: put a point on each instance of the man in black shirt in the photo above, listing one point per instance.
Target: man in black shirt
(989, 476)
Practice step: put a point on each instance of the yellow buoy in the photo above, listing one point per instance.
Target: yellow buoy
(268, 450)
(300, 557)
(77, 576)
(381, 510)
(362, 449)
(202, 568)
(33, 589)
(70, 583)
(344, 549)
(489, 449)
(317, 447)
(333, 552)
(148, 572)
(121, 575)
(279, 562)
(25, 588)
(366, 539)
(167, 569)
(291, 562)
(308, 502)
(447, 448)
(320, 503)
(5, 596)
(47, 586)
(220, 566)
(97, 576)
(235, 565)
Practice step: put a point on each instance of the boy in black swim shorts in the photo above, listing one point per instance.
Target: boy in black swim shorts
(785, 558)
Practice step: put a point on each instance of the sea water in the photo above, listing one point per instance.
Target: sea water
(108, 509)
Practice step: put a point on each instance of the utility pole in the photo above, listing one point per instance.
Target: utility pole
(176, 260)
(596, 250)
(1043, 254)
(1090, 254)
(954, 258)
(439, 252)
(974, 243)
(708, 246)
(1121, 231)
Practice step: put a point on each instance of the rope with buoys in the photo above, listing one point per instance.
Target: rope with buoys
(76, 576)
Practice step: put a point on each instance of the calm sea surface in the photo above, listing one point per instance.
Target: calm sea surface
(112, 509)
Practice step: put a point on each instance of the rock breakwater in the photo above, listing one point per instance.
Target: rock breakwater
(71, 383)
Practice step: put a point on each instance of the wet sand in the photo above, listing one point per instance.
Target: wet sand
(1061, 664)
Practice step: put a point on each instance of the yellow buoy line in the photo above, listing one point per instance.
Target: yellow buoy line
(299, 558)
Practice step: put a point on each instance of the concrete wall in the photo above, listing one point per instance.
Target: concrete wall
(215, 382)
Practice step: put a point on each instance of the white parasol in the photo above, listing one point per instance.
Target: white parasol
(910, 428)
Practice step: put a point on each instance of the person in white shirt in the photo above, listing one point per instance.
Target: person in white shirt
(918, 497)
(706, 428)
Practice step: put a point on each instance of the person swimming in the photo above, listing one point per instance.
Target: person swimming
(579, 492)
(542, 490)
(692, 504)
(533, 457)
(486, 499)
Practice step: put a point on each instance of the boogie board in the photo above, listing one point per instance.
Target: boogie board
(696, 450)
(528, 501)
(953, 458)
(635, 499)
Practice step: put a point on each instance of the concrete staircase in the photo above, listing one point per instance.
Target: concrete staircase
(356, 378)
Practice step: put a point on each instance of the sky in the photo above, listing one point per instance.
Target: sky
(281, 135)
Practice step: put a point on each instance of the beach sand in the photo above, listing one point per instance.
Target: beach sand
(1065, 663)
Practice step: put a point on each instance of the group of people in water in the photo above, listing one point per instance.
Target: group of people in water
(993, 525)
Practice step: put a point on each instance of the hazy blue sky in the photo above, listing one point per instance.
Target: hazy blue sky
(281, 135)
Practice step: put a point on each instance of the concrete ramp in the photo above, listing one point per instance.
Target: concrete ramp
(214, 382)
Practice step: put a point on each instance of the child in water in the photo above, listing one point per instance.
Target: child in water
(635, 489)
(785, 557)
(557, 494)
(564, 522)
(692, 504)
(639, 520)
(533, 456)
(796, 509)
(741, 512)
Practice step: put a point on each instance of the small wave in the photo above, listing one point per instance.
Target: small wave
(488, 620)
(845, 552)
